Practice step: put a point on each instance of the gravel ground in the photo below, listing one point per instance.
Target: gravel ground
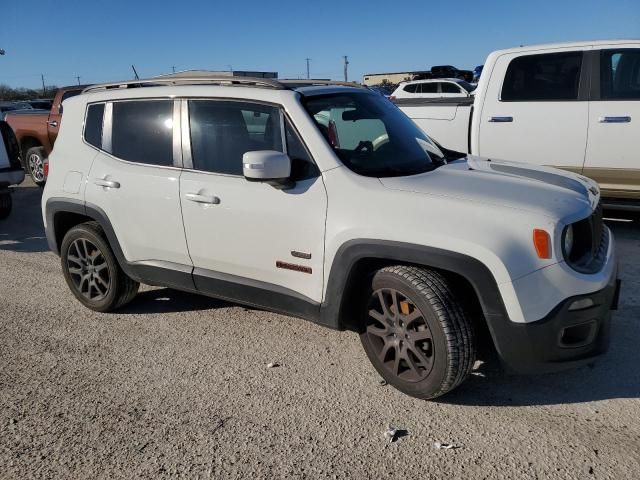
(177, 385)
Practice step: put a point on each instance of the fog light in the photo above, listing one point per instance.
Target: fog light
(581, 304)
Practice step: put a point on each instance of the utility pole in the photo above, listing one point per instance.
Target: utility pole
(346, 63)
(44, 89)
(78, 77)
(174, 69)
(308, 75)
(135, 73)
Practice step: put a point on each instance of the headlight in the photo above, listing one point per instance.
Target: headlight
(567, 241)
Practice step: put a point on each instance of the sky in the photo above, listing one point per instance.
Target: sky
(100, 40)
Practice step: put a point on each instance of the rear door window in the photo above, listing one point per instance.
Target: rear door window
(430, 87)
(620, 74)
(142, 132)
(545, 77)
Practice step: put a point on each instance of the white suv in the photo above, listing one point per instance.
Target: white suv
(436, 88)
(327, 203)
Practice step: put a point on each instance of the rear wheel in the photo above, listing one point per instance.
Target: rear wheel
(35, 159)
(415, 333)
(92, 271)
(5, 205)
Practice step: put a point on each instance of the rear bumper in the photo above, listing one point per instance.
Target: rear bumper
(11, 176)
(574, 333)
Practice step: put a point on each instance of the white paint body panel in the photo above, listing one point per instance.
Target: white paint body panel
(253, 226)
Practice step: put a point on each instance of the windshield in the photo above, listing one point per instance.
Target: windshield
(371, 136)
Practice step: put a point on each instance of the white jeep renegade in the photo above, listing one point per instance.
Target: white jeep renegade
(327, 203)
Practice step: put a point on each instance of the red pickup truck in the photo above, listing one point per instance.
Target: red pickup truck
(37, 130)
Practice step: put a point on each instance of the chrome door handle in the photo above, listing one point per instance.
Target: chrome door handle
(501, 119)
(621, 119)
(52, 123)
(196, 197)
(106, 183)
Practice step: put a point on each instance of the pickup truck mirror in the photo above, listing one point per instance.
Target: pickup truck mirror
(267, 166)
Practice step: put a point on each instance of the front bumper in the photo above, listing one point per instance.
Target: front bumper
(574, 333)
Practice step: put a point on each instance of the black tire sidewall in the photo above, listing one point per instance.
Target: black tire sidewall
(110, 300)
(432, 384)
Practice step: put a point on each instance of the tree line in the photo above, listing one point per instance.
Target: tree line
(8, 93)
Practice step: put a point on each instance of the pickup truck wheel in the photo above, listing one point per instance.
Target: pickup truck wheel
(5, 205)
(92, 271)
(35, 165)
(415, 333)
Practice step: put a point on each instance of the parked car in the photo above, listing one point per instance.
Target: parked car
(574, 106)
(448, 71)
(476, 73)
(37, 132)
(328, 203)
(11, 172)
(41, 104)
(6, 107)
(442, 88)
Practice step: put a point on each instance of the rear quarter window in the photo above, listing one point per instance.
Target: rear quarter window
(93, 124)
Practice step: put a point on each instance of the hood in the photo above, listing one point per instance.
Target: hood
(543, 190)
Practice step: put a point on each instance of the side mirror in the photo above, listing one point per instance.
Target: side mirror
(267, 166)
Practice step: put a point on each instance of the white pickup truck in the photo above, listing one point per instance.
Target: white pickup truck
(574, 106)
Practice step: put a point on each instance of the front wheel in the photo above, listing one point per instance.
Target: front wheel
(35, 159)
(415, 333)
(5, 205)
(92, 271)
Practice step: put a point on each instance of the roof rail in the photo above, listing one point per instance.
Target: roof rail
(296, 83)
(203, 80)
(217, 80)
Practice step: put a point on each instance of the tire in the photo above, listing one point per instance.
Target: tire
(34, 164)
(92, 271)
(422, 341)
(6, 204)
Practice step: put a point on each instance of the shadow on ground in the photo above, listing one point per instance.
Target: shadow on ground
(23, 230)
(166, 300)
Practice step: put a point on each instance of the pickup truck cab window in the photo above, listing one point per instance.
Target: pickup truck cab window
(371, 136)
(543, 77)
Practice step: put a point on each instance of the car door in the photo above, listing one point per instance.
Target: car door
(134, 180)
(537, 111)
(612, 157)
(250, 240)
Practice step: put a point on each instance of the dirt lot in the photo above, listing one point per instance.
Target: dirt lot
(177, 385)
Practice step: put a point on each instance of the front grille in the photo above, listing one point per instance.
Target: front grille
(591, 241)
